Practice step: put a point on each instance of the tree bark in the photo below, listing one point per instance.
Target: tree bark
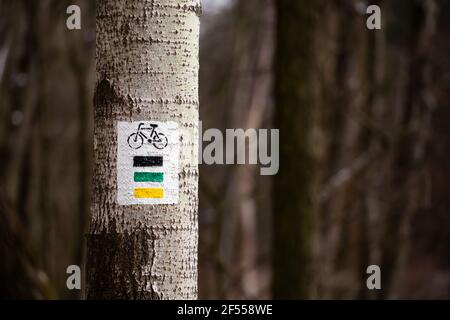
(293, 185)
(147, 70)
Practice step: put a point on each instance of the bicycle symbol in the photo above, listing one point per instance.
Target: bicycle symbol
(157, 139)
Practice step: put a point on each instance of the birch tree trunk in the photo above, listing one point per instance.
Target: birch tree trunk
(147, 70)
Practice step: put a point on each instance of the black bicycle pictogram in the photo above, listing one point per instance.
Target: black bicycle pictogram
(157, 139)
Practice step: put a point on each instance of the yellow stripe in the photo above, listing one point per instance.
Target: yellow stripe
(148, 193)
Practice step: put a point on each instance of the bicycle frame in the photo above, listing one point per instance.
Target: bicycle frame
(153, 134)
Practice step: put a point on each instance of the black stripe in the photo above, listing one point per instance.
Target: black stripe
(140, 161)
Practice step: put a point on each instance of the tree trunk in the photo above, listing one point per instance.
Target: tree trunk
(147, 70)
(293, 185)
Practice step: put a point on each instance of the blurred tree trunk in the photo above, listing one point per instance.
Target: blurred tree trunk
(20, 277)
(41, 177)
(294, 183)
(250, 108)
(147, 69)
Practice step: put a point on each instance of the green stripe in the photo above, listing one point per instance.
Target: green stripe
(148, 177)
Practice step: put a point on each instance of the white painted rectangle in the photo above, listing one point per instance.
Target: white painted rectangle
(139, 143)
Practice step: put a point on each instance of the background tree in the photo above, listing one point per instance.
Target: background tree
(147, 69)
(294, 115)
(235, 211)
(46, 85)
(356, 110)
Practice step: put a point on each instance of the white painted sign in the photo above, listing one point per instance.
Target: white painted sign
(147, 162)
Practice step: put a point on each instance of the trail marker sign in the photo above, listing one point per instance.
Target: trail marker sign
(147, 162)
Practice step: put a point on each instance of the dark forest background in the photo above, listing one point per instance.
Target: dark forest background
(364, 119)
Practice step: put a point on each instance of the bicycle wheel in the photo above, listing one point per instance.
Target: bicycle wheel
(162, 143)
(135, 141)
